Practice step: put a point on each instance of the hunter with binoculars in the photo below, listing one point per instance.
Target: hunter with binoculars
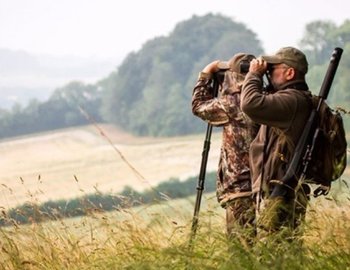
(270, 130)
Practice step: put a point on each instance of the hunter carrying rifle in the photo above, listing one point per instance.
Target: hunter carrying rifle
(282, 112)
(285, 112)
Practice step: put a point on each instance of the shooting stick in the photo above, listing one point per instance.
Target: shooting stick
(201, 177)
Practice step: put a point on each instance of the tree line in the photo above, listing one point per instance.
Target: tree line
(149, 93)
(61, 110)
(99, 202)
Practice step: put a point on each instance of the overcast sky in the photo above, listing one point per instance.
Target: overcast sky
(113, 28)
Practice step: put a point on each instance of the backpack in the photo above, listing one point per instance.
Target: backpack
(329, 156)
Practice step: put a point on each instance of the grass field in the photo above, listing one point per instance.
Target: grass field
(157, 237)
(74, 162)
(69, 163)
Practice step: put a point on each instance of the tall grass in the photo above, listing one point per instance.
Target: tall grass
(156, 237)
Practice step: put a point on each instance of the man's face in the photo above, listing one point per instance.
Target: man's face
(278, 75)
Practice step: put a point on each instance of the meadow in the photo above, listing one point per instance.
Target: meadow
(70, 163)
(157, 237)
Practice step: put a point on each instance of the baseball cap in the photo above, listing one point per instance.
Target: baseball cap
(289, 56)
(235, 62)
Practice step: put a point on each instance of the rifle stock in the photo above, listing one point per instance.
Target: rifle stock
(303, 151)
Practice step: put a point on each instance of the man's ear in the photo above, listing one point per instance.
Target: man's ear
(290, 73)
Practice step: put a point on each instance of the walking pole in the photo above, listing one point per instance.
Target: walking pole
(201, 177)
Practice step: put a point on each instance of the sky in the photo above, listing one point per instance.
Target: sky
(114, 28)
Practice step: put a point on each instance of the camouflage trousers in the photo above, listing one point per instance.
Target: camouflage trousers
(240, 219)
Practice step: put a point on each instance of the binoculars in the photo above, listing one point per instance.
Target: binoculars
(244, 67)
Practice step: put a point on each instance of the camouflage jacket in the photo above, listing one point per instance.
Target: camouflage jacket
(233, 175)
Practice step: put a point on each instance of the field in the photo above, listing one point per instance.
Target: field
(157, 237)
(73, 162)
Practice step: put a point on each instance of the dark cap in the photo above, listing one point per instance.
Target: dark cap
(289, 56)
(235, 62)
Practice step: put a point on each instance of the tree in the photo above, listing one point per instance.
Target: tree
(62, 109)
(318, 40)
(150, 93)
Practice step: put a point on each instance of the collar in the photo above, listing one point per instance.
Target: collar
(296, 84)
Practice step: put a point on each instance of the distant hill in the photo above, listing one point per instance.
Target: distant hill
(148, 94)
(24, 76)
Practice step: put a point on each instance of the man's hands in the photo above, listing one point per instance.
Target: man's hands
(258, 66)
(212, 67)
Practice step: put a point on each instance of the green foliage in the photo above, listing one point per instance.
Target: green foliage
(61, 110)
(151, 91)
(318, 41)
(320, 38)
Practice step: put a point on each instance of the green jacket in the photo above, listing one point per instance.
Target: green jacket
(283, 115)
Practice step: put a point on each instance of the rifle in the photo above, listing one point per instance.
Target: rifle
(203, 167)
(304, 149)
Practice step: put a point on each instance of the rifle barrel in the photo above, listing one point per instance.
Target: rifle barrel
(332, 68)
(295, 170)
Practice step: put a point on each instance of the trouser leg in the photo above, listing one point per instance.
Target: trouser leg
(240, 217)
(287, 212)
